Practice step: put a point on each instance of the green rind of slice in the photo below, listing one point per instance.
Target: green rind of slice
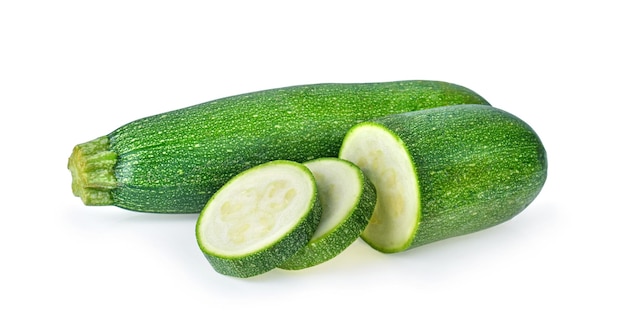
(259, 219)
(348, 199)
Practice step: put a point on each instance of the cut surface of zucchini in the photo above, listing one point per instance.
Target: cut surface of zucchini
(259, 219)
(385, 160)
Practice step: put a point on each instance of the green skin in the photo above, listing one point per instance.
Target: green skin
(173, 162)
(476, 167)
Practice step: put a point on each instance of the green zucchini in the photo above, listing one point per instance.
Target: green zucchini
(348, 199)
(173, 162)
(445, 172)
(259, 219)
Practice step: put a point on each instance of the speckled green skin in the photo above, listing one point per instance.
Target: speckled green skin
(477, 166)
(262, 261)
(332, 243)
(173, 162)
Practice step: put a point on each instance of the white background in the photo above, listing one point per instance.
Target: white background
(71, 71)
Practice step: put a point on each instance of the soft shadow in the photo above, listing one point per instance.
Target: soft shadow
(172, 236)
(450, 257)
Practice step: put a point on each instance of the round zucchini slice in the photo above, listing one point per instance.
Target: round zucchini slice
(259, 219)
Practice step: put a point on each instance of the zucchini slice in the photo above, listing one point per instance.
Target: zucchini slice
(259, 219)
(445, 172)
(348, 199)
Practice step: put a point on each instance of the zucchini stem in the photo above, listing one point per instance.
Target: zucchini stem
(92, 167)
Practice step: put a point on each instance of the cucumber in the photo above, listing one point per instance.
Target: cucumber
(173, 162)
(348, 199)
(259, 219)
(445, 172)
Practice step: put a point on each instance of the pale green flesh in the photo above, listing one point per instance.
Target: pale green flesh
(386, 162)
(255, 210)
(339, 187)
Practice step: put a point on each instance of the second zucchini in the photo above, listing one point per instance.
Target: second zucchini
(445, 172)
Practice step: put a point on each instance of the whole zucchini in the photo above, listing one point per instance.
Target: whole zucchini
(173, 162)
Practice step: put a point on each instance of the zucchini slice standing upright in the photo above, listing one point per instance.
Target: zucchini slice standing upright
(348, 199)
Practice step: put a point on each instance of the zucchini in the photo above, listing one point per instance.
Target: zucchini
(173, 162)
(445, 172)
(348, 199)
(259, 219)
